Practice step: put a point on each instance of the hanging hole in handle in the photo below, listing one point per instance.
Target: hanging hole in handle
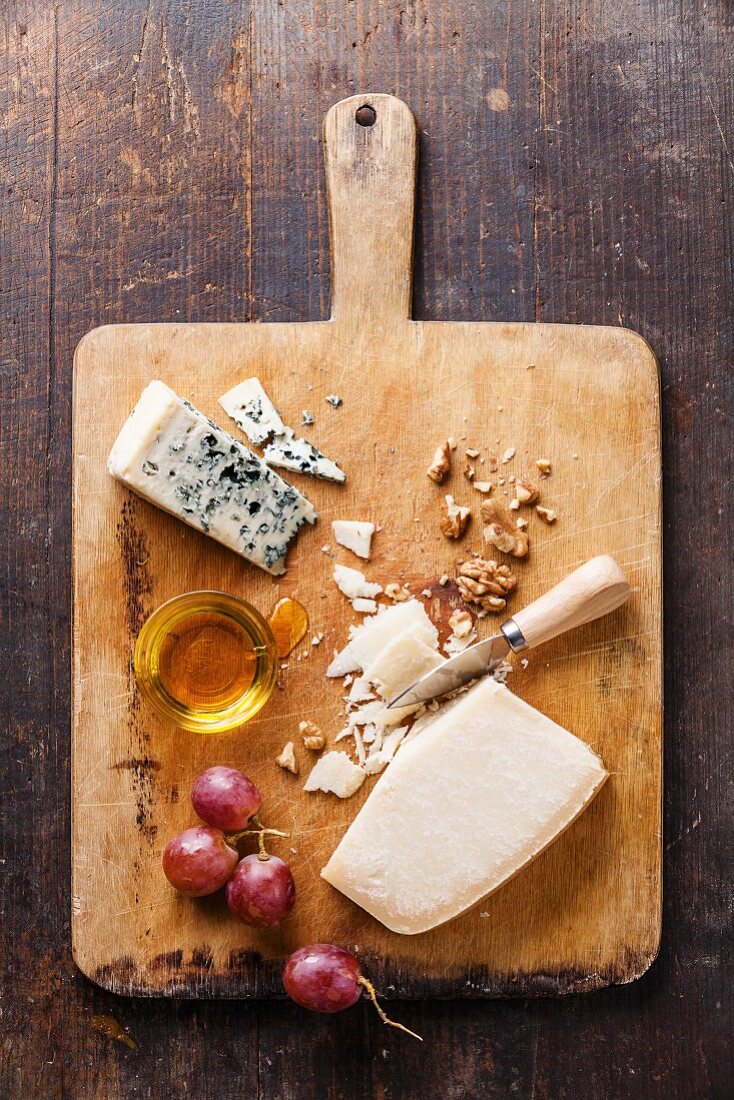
(366, 115)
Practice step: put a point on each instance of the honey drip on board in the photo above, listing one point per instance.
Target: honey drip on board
(207, 662)
(113, 1029)
(288, 621)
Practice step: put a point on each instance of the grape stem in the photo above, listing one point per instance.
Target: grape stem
(367, 984)
(260, 832)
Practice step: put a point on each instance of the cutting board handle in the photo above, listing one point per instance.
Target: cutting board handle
(371, 148)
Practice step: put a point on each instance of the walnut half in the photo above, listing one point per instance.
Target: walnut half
(501, 530)
(456, 520)
(312, 736)
(485, 583)
(441, 463)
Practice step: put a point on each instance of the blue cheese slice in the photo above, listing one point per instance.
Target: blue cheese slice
(176, 458)
(291, 453)
(253, 411)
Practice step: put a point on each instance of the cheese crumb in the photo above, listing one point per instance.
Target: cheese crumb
(335, 774)
(483, 486)
(353, 584)
(509, 453)
(443, 579)
(364, 605)
(544, 465)
(354, 535)
(317, 638)
(334, 400)
(287, 759)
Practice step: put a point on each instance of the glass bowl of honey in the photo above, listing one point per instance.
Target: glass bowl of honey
(207, 661)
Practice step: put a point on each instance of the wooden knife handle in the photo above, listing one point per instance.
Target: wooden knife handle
(594, 589)
(371, 149)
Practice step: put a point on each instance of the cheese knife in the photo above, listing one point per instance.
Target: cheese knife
(594, 589)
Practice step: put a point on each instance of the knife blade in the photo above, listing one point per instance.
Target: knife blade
(475, 660)
(596, 588)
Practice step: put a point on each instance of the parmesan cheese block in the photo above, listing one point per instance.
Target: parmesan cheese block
(463, 807)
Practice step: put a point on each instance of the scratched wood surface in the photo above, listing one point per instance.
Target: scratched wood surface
(586, 397)
(601, 194)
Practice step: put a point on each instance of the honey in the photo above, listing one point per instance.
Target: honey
(288, 621)
(206, 661)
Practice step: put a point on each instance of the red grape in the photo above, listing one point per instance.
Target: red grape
(199, 861)
(261, 891)
(322, 978)
(225, 798)
(326, 978)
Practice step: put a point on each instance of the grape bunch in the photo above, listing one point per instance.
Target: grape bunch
(259, 888)
(201, 860)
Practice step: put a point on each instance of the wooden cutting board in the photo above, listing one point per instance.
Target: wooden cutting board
(587, 912)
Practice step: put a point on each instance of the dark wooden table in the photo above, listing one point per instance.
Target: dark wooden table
(161, 161)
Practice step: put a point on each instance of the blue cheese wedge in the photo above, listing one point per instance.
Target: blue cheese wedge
(253, 411)
(176, 458)
(302, 457)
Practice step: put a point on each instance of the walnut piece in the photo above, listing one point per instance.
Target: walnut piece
(312, 736)
(544, 465)
(546, 514)
(469, 471)
(287, 759)
(456, 520)
(461, 623)
(501, 530)
(485, 583)
(398, 593)
(525, 491)
(441, 463)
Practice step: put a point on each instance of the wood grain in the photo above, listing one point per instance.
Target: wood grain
(603, 192)
(586, 397)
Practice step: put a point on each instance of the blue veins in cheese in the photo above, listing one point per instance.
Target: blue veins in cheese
(253, 411)
(255, 414)
(291, 453)
(175, 457)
